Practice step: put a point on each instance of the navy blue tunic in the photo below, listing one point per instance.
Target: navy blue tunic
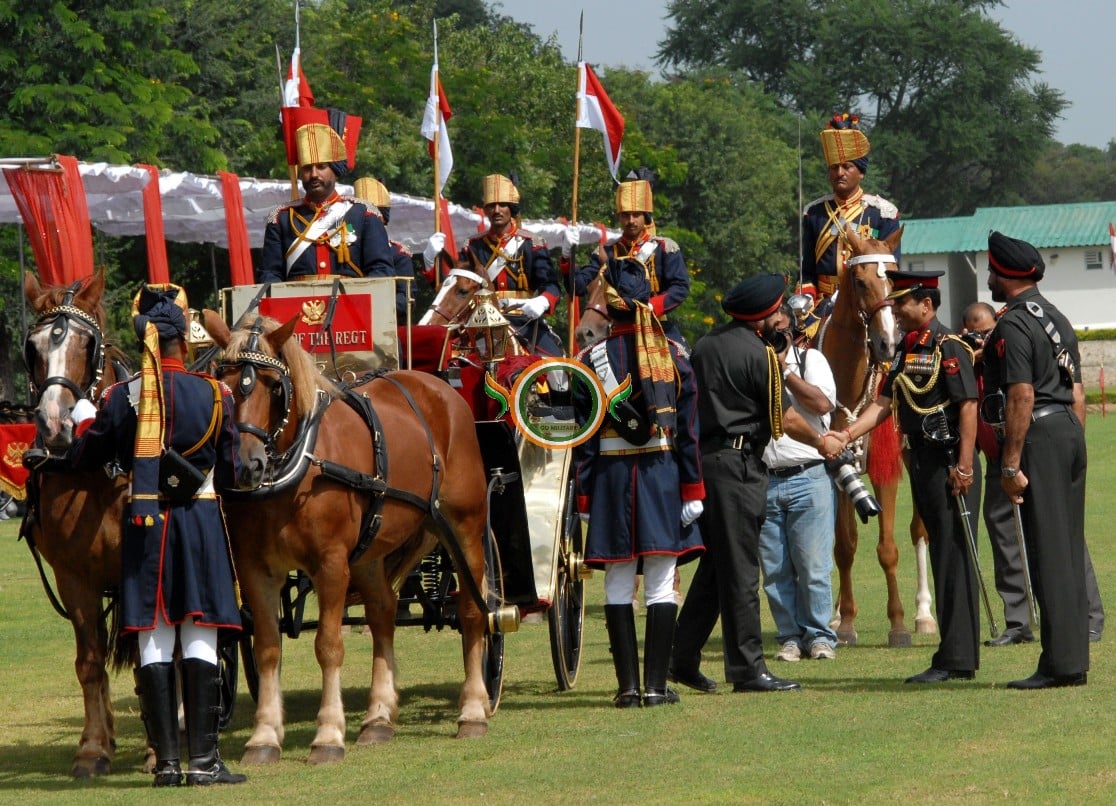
(182, 567)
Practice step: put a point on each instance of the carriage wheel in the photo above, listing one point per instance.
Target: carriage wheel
(227, 671)
(567, 612)
(493, 662)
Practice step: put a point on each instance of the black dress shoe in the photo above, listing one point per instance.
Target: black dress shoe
(933, 675)
(1040, 680)
(666, 697)
(693, 678)
(765, 682)
(627, 699)
(1010, 637)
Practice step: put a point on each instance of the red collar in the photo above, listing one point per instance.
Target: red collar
(172, 363)
(319, 206)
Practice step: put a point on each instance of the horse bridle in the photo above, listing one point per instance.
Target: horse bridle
(250, 360)
(881, 258)
(60, 318)
(463, 314)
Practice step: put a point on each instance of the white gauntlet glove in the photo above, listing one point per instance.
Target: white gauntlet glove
(83, 410)
(433, 248)
(571, 237)
(535, 307)
(691, 511)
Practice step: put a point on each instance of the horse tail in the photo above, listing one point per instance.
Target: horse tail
(123, 648)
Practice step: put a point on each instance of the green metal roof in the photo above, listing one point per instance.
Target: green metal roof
(1046, 226)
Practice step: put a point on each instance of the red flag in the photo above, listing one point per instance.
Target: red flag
(596, 111)
(434, 125)
(296, 89)
(240, 256)
(158, 271)
(55, 214)
(1112, 245)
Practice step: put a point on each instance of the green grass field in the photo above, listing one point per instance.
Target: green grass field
(855, 733)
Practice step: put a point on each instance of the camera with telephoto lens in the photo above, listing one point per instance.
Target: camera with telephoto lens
(842, 469)
(779, 340)
(974, 340)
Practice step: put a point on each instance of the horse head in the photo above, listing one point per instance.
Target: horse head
(595, 324)
(274, 382)
(454, 300)
(64, 351)
(866, 283)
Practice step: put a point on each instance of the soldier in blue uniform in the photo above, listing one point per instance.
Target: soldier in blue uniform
(823, 251)
(660, 259)
(177, 580)
(639, 483)
(324, 233)
(517, 263)
(373, 193)
(932, 389)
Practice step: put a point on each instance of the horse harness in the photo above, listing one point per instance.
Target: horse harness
(293, 463)
(61, 319)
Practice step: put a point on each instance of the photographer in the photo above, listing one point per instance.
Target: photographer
(796, 540)
(934, 390)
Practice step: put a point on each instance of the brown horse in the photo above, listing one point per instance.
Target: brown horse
(454, 300)
(397, 458)
(858, 338)
(595, 323)
(73, 519)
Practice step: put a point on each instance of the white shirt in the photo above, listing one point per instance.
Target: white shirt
(785, 451)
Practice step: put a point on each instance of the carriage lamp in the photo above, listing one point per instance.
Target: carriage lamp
(198, 339)
(487, 328)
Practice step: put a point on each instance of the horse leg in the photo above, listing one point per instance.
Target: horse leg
(261, 592)
(331, 583)
(380, 602)
(83, 603)
(888, 555)
(924, 616)
(844, 554)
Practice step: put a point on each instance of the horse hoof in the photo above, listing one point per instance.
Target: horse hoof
(261, 755)
(376, 733)
(472, 730)
(846, 637)
(899, 638)
(926, 626)
(326, 754)
(90, 767)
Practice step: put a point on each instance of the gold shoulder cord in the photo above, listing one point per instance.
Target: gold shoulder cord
(774, 394)
(908, 388)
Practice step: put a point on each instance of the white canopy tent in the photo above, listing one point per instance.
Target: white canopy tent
(194, 209)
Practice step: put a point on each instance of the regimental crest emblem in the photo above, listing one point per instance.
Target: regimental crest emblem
(313, 312)
(13, 456)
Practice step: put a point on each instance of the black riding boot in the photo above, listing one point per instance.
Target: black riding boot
(201, 696)
(159, 710)
(657, 642)
(620, 620)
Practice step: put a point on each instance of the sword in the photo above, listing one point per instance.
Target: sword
(970, 541)
(1032, 608)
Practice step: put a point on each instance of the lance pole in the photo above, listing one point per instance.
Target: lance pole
(572, 309)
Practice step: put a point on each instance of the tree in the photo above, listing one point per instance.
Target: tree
(951, 95)
(1074, 173)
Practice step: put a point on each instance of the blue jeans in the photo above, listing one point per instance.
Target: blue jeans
(796, 554)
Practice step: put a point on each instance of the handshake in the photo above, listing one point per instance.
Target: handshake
(832, 444)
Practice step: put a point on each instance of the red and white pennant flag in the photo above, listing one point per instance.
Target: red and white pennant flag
(596, 111)
(1112, 245)
(434, 126)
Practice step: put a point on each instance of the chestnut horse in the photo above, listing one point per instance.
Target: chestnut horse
(395, 458)
(73, 519)
(858, 338)
(454, 300)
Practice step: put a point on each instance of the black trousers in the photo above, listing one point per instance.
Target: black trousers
(726, 582)
(955, 585)
(1054, 460)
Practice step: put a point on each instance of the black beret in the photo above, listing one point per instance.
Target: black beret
(755, 297)
(1011, 257)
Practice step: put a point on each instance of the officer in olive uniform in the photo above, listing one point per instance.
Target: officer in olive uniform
(324, 233)
(740, 408)
(823, 252)
(1032, 374)
(660, 259)
(933, 390)
(373, 193)
(639, 483)
(517, 263)
(177, 582)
